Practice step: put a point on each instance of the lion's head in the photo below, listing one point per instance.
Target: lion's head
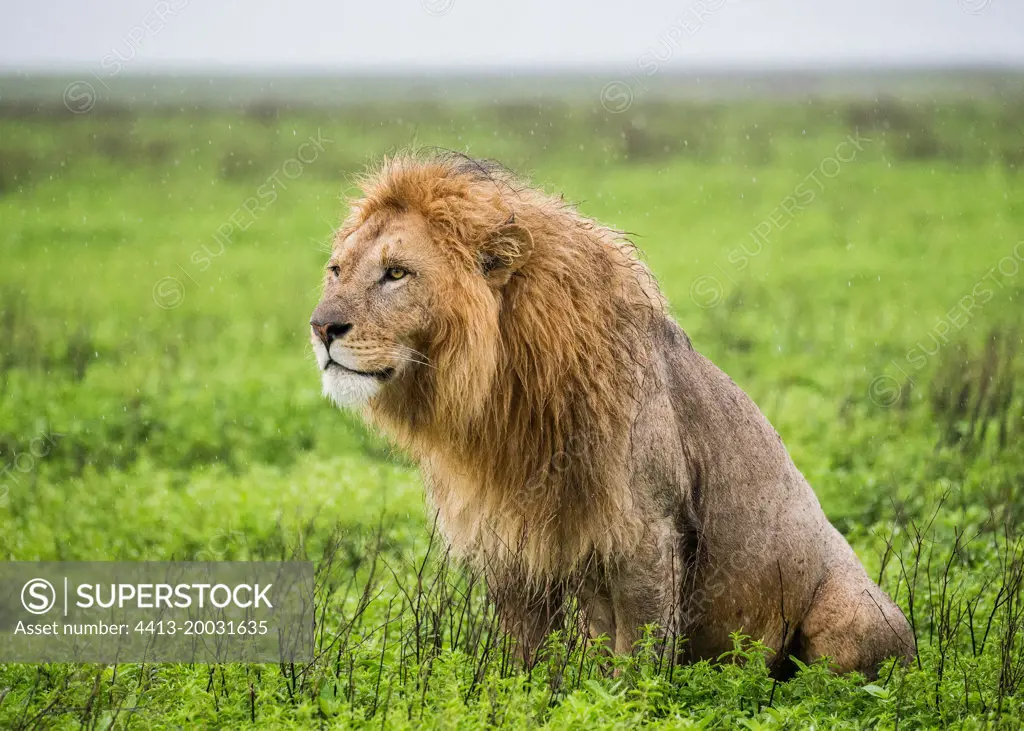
(405, 283)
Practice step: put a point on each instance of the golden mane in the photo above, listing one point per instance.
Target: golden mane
(520, 425)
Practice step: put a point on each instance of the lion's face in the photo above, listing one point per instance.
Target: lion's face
(373, 319)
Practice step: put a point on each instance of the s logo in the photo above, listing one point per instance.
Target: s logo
(38, 596)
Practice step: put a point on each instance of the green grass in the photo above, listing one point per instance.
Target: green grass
(198, 431)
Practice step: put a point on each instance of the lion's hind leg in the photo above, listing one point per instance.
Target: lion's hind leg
(854, 623)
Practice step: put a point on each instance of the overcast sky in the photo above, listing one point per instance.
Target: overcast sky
(410, 35)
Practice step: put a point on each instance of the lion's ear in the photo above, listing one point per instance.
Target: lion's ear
(504, 252)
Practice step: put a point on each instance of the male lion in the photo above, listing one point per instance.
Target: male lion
(570, 437)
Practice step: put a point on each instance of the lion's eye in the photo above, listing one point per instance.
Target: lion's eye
(335, 271)
(393, 274)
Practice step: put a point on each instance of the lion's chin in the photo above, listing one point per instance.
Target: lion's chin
(347, 389)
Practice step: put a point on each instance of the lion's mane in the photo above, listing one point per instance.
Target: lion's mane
(522, 425)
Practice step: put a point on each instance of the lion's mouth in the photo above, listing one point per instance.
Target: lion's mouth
(382, 375)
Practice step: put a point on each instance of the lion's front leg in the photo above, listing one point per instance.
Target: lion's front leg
(646, 589)
(597, 612)
(528, 610)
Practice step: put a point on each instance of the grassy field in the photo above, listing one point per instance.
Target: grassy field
(856, 267)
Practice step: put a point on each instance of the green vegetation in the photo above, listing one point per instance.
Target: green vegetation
(158, 397)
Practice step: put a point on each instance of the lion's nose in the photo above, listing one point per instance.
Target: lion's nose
(328, 332)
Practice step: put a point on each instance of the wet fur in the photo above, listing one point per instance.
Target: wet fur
(574, 443)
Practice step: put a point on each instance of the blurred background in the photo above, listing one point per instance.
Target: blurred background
(829, 192)
(182, 53)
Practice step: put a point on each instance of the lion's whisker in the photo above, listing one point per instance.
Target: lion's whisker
(396, 351)
(413, 351)
(399, 356)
